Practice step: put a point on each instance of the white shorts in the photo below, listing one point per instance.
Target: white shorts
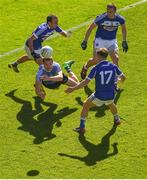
(99, 102)
(26, 48)
(111, 45)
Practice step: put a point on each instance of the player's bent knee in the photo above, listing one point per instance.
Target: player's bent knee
(92, 61)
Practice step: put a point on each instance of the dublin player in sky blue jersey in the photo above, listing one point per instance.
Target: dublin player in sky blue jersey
(33, 44)
(107, 25)
(104, 73)
(51, 76)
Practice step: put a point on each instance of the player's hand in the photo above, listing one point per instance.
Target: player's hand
(42, 95)
(35, 55)
(44, 78)
(69, 90)
(125, 46)
(84, 45)
(68, 33)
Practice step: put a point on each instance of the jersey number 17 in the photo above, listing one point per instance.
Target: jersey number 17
(106, 76)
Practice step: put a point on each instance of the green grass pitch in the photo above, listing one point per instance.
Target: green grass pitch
(26, 122)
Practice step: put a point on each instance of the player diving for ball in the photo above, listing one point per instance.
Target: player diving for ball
(107, 25)
(104, 73)
(51, 76)
(33, 44)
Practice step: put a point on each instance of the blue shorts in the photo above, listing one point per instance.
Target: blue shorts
(37, 49)
(56, 84)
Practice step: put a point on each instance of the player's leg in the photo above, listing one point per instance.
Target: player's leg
(115, 57)
(67, 67)
(71, 82)
(84, 113)
(98, 43)
(15, 64)
(113, 52)
(114, 111)
(39, 61)
(91, 62)
(23, 59)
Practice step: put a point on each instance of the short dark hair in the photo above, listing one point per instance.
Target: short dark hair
(103, 52)
(50, 17)
(113, 6)
(47, 59)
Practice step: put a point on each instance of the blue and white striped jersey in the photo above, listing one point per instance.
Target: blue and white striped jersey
(105, 74)
(107, 28)
(41, 33)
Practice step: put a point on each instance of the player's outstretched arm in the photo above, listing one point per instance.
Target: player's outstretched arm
(124, 36)
(78, 86)
(66, 33)
(39, 90)
(87, 35)
(58, 77)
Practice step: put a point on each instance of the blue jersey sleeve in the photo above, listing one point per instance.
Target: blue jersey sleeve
(121, 19)
(38, 31)
(98, 19)
(118, 71)
(57, 68)
(58, 29)
(92, 73)
(39, 74)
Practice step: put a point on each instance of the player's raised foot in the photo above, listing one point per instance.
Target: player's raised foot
(68, 63)
(83, 73)
(80, 130)
(14, 67)
(117, 121)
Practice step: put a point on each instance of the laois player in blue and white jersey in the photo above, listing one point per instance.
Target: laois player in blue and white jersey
(107, 25)
(104, 73)
(33, 44)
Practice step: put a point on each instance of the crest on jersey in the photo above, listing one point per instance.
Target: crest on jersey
(110, 25)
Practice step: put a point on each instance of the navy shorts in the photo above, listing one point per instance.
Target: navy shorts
(56, 84)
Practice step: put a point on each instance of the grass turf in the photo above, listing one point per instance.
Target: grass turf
(25, 121)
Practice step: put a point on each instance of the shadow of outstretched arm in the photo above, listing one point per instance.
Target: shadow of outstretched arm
(71, 156)
(115, 150)
(14, 98)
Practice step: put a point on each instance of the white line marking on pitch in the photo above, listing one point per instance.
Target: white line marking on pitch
(75, 28)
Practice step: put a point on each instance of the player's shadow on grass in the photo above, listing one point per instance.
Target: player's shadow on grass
(37, 122)
(100, 111)
(97, 152)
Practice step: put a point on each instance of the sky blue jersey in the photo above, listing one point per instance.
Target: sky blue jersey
(105, 74)
(42, 71)
(41, 33)
(107, 28)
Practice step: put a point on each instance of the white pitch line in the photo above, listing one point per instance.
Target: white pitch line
(75, 28)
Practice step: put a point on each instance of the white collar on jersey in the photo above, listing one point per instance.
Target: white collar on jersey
(103, 61)
(45, 69)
